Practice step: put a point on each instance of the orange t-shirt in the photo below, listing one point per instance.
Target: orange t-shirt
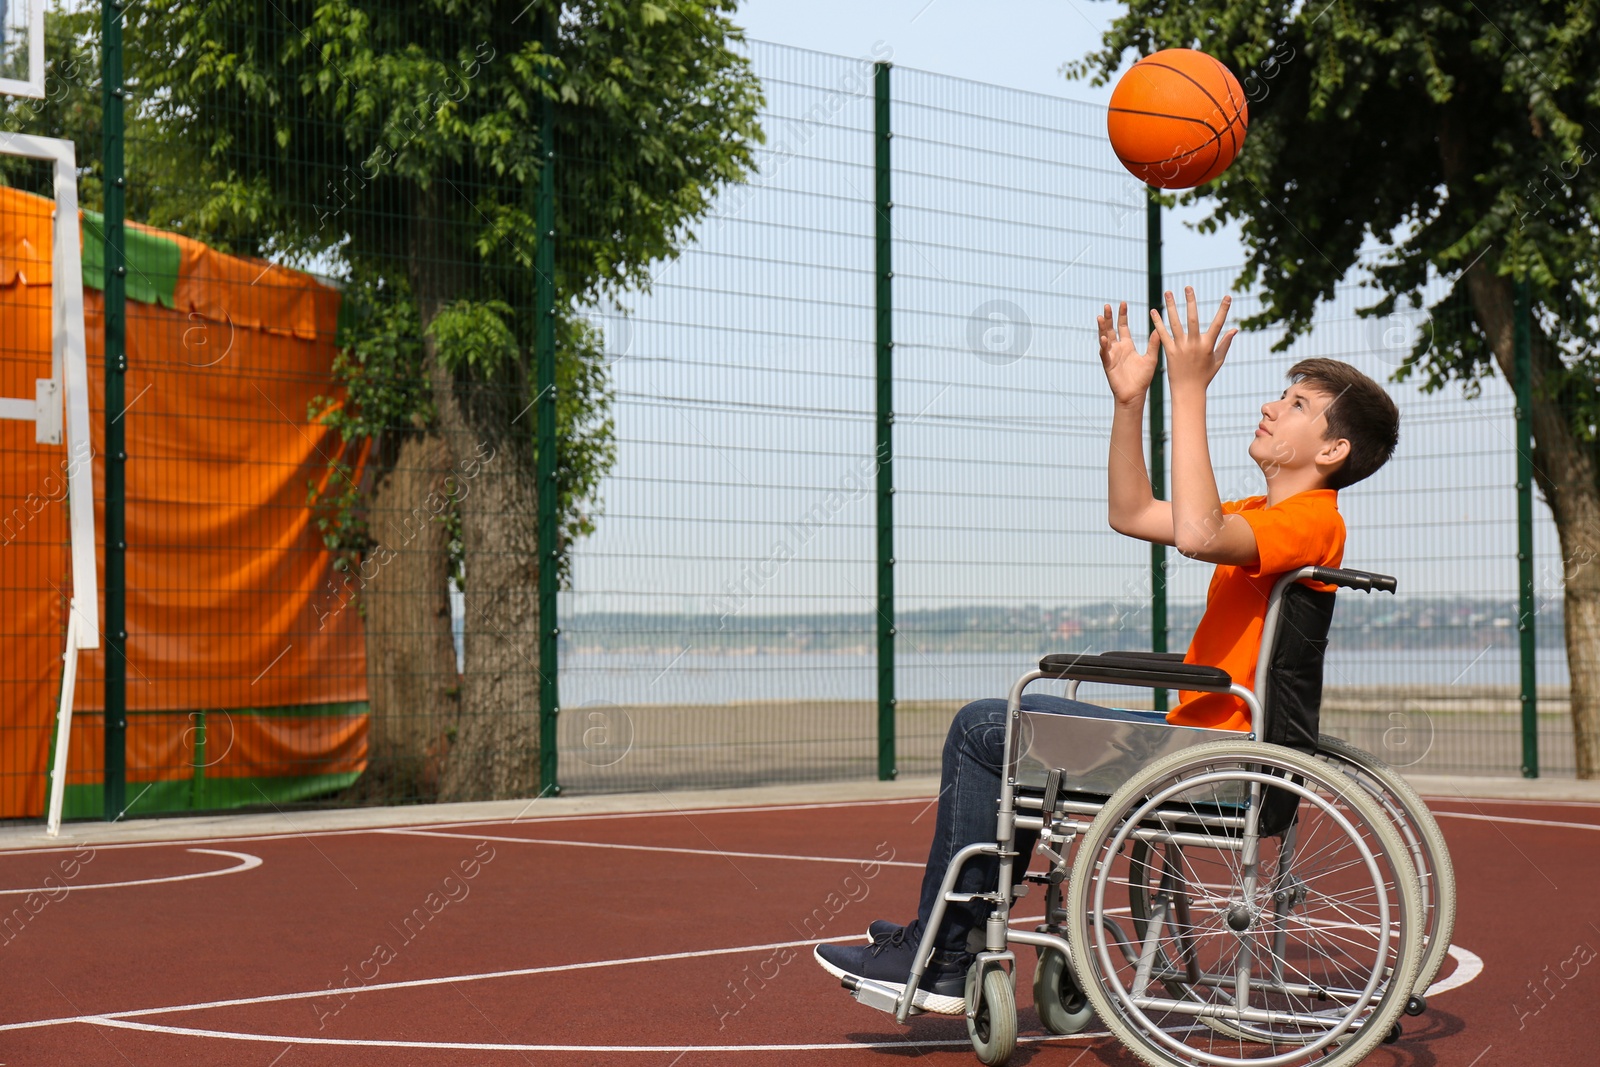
(1304, 530)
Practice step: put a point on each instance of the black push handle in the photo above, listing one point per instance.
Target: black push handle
(1366, 581)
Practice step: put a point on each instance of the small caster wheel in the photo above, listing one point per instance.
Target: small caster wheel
(1062, 1006)
(1393, 1035)
(1416, 1005)
(991, 1015)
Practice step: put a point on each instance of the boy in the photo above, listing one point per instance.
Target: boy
(1332, 427)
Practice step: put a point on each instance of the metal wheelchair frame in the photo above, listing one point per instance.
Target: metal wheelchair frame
(1090, 766)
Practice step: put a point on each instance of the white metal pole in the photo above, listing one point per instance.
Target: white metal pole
(69, 681)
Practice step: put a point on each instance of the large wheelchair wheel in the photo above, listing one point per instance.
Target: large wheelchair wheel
(1245, 949)
(1429, 853)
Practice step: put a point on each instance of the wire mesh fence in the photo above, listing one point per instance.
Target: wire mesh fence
(1012, 221)
(717, 618)
(333, 401)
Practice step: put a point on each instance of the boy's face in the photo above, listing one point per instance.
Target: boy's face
(1292, 433)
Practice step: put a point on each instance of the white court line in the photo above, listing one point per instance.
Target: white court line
(515, 821)
(246, 862)
(665, 812)
(231, 1035)
(657, 848)
(1458, 798)
(286, 835)
(1475, 817)
(1468, 966)
(419, 983)
(521, 820)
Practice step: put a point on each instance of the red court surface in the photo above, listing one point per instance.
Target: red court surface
(669, 939)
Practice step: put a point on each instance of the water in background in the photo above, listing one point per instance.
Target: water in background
(698, 678)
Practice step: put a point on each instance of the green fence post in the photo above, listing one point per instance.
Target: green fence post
(114, 626)
(1158, 440)
(1527, 634)
(545, 401)
(197, 758)
(883, 241)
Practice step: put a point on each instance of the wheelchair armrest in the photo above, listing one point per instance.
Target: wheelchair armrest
(1122, 669)
(1366, 581)
(1154, 657)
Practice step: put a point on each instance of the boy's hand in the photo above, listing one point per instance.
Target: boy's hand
(1128, 372)
(1193, 358)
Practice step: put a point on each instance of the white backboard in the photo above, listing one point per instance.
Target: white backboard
(22, 48)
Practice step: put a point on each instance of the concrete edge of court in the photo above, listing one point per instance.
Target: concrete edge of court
(262, 824)
(269, 824)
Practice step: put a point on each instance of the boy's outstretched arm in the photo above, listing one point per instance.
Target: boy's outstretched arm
(1131, 507)
(1201, 530)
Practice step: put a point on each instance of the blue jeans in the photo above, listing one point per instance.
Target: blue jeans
(969, 795)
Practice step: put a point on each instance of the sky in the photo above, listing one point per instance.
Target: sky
(1021, 44)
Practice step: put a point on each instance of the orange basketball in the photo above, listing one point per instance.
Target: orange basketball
(1177, 118)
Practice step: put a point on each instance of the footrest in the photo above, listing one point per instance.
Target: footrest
(875, 994)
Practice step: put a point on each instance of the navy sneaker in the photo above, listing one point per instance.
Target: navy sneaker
(881, 929)
(888, 960)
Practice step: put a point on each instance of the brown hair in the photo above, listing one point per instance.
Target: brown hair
(1360, 412)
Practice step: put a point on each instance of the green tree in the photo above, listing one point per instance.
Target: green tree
(1454, 140)
(70, 108)
(398, 145)
(197, 206)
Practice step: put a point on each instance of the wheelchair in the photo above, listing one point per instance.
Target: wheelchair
(1213, 897)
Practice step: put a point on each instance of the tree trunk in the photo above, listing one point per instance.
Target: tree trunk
(412, 683)
(1580, 551)
(495, 754)
(1567, 477)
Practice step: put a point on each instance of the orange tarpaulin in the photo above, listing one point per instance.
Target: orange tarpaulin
(34, 563)
(233, 601)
